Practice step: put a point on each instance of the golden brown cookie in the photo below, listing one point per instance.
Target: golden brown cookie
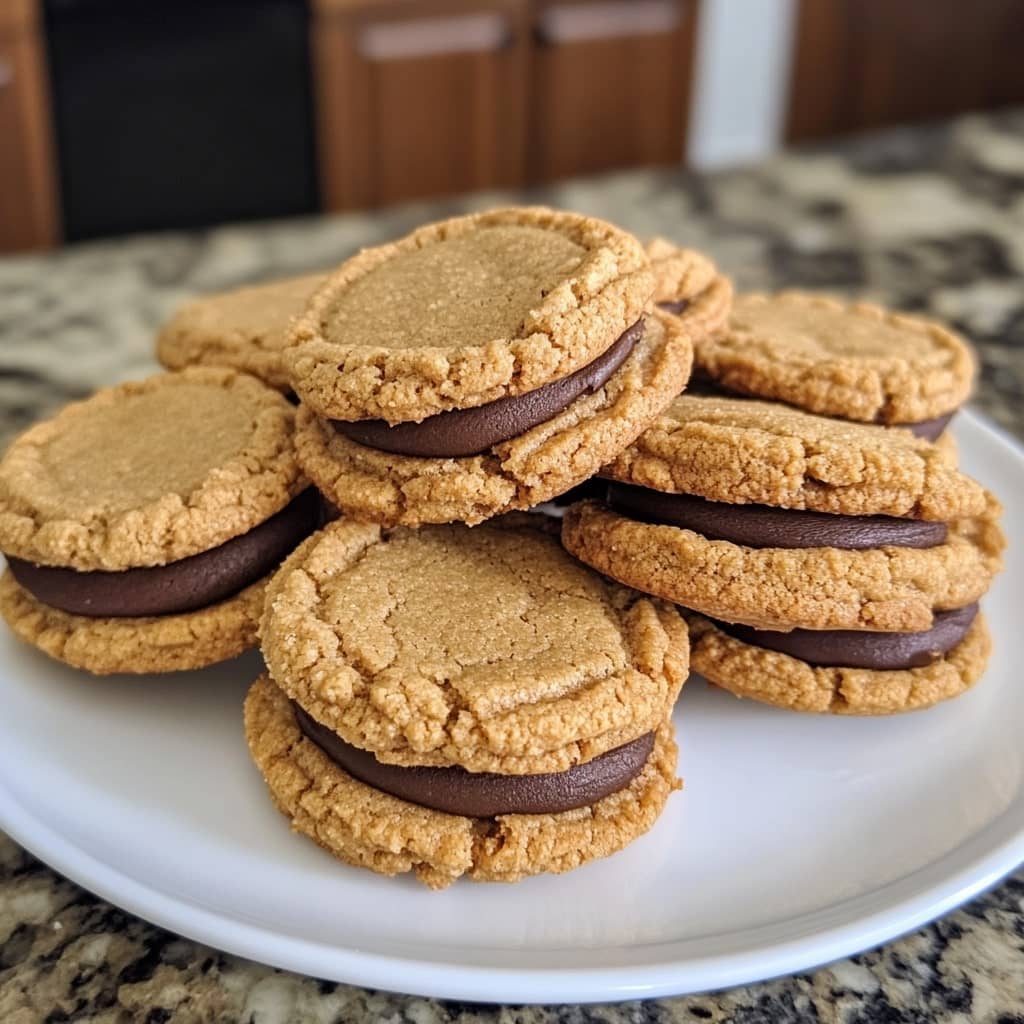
(139, 526)
(534, 467)
(466, 311)
(165, 643)
(689, 285)
(489, 648)
(246, 329)
(883, 589)
(787, 682)
(738, 450)
(852, 360)
(149, 472)
(368, 828)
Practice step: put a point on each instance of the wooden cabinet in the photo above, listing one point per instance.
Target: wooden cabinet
(28, 202)
(861, 64)
(419, 99)
(611, 85)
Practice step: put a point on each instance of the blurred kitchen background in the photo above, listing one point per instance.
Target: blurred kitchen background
(119, 116)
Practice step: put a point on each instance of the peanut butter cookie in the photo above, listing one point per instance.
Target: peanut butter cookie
(851, 360)
(246, 329)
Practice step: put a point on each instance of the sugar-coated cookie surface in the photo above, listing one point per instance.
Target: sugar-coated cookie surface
(488, 648)
(371, 829)
(149, 472)
(739, 450)
(536, 466)
(787, 682)
(884, 589)
(246, 329)
(852, 360)
(466, 311)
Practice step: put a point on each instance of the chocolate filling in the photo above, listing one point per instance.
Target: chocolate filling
(760, 526)
(485, 794)
(930, 430)
(849, 648)
(676, 307)
(181, 586)
(462, 432)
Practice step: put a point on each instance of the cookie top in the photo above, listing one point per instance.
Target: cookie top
(487, 648)
(245, 329)
(466, 311)
(852, 360)
(678, 273)
(149, 472)
(743, 451)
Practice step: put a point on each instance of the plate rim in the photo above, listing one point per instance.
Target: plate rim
(969, 875)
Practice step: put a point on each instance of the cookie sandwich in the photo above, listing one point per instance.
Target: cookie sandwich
(463, 702)
(480, 365)
(688, 285)
(246, 329)
(824, 565)
(140, 525)
(851, 360)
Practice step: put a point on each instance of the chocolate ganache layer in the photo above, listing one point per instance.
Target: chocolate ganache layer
(848, 648)
(181, 586)
(464, 432)
(485, 794)
(761, 526)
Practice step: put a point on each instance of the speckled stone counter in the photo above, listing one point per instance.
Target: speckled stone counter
(924, 218)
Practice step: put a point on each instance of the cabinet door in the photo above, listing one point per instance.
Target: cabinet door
(611, 84)
(28, 204)
(419, 98)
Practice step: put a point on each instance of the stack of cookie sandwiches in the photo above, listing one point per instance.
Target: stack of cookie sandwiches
(140, 526)
(824, 565)
(480, 365)
(463, 702)
(454, 701)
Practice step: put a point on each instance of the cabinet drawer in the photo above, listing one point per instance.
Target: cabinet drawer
(611, 84)
(419, 99)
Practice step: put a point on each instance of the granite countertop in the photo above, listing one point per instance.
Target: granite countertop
(923, 218)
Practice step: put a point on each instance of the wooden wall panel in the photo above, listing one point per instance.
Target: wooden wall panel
(861, 64)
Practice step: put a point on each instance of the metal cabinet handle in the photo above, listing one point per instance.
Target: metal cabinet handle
(434, 37)
(578, 23)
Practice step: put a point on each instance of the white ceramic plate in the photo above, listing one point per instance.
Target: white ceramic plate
(797, 840)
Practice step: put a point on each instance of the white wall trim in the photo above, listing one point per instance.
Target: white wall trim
(744, 53)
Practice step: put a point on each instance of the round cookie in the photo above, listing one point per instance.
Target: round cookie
(787, 682)
(141, 525)
(161, 643)
(688, 285)
(534, 467)
(464, 312)
(149, 472)
(368, 828)
(739, 450)
(246, 329)
(883, 589)
(851, 360)
(487, 649)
